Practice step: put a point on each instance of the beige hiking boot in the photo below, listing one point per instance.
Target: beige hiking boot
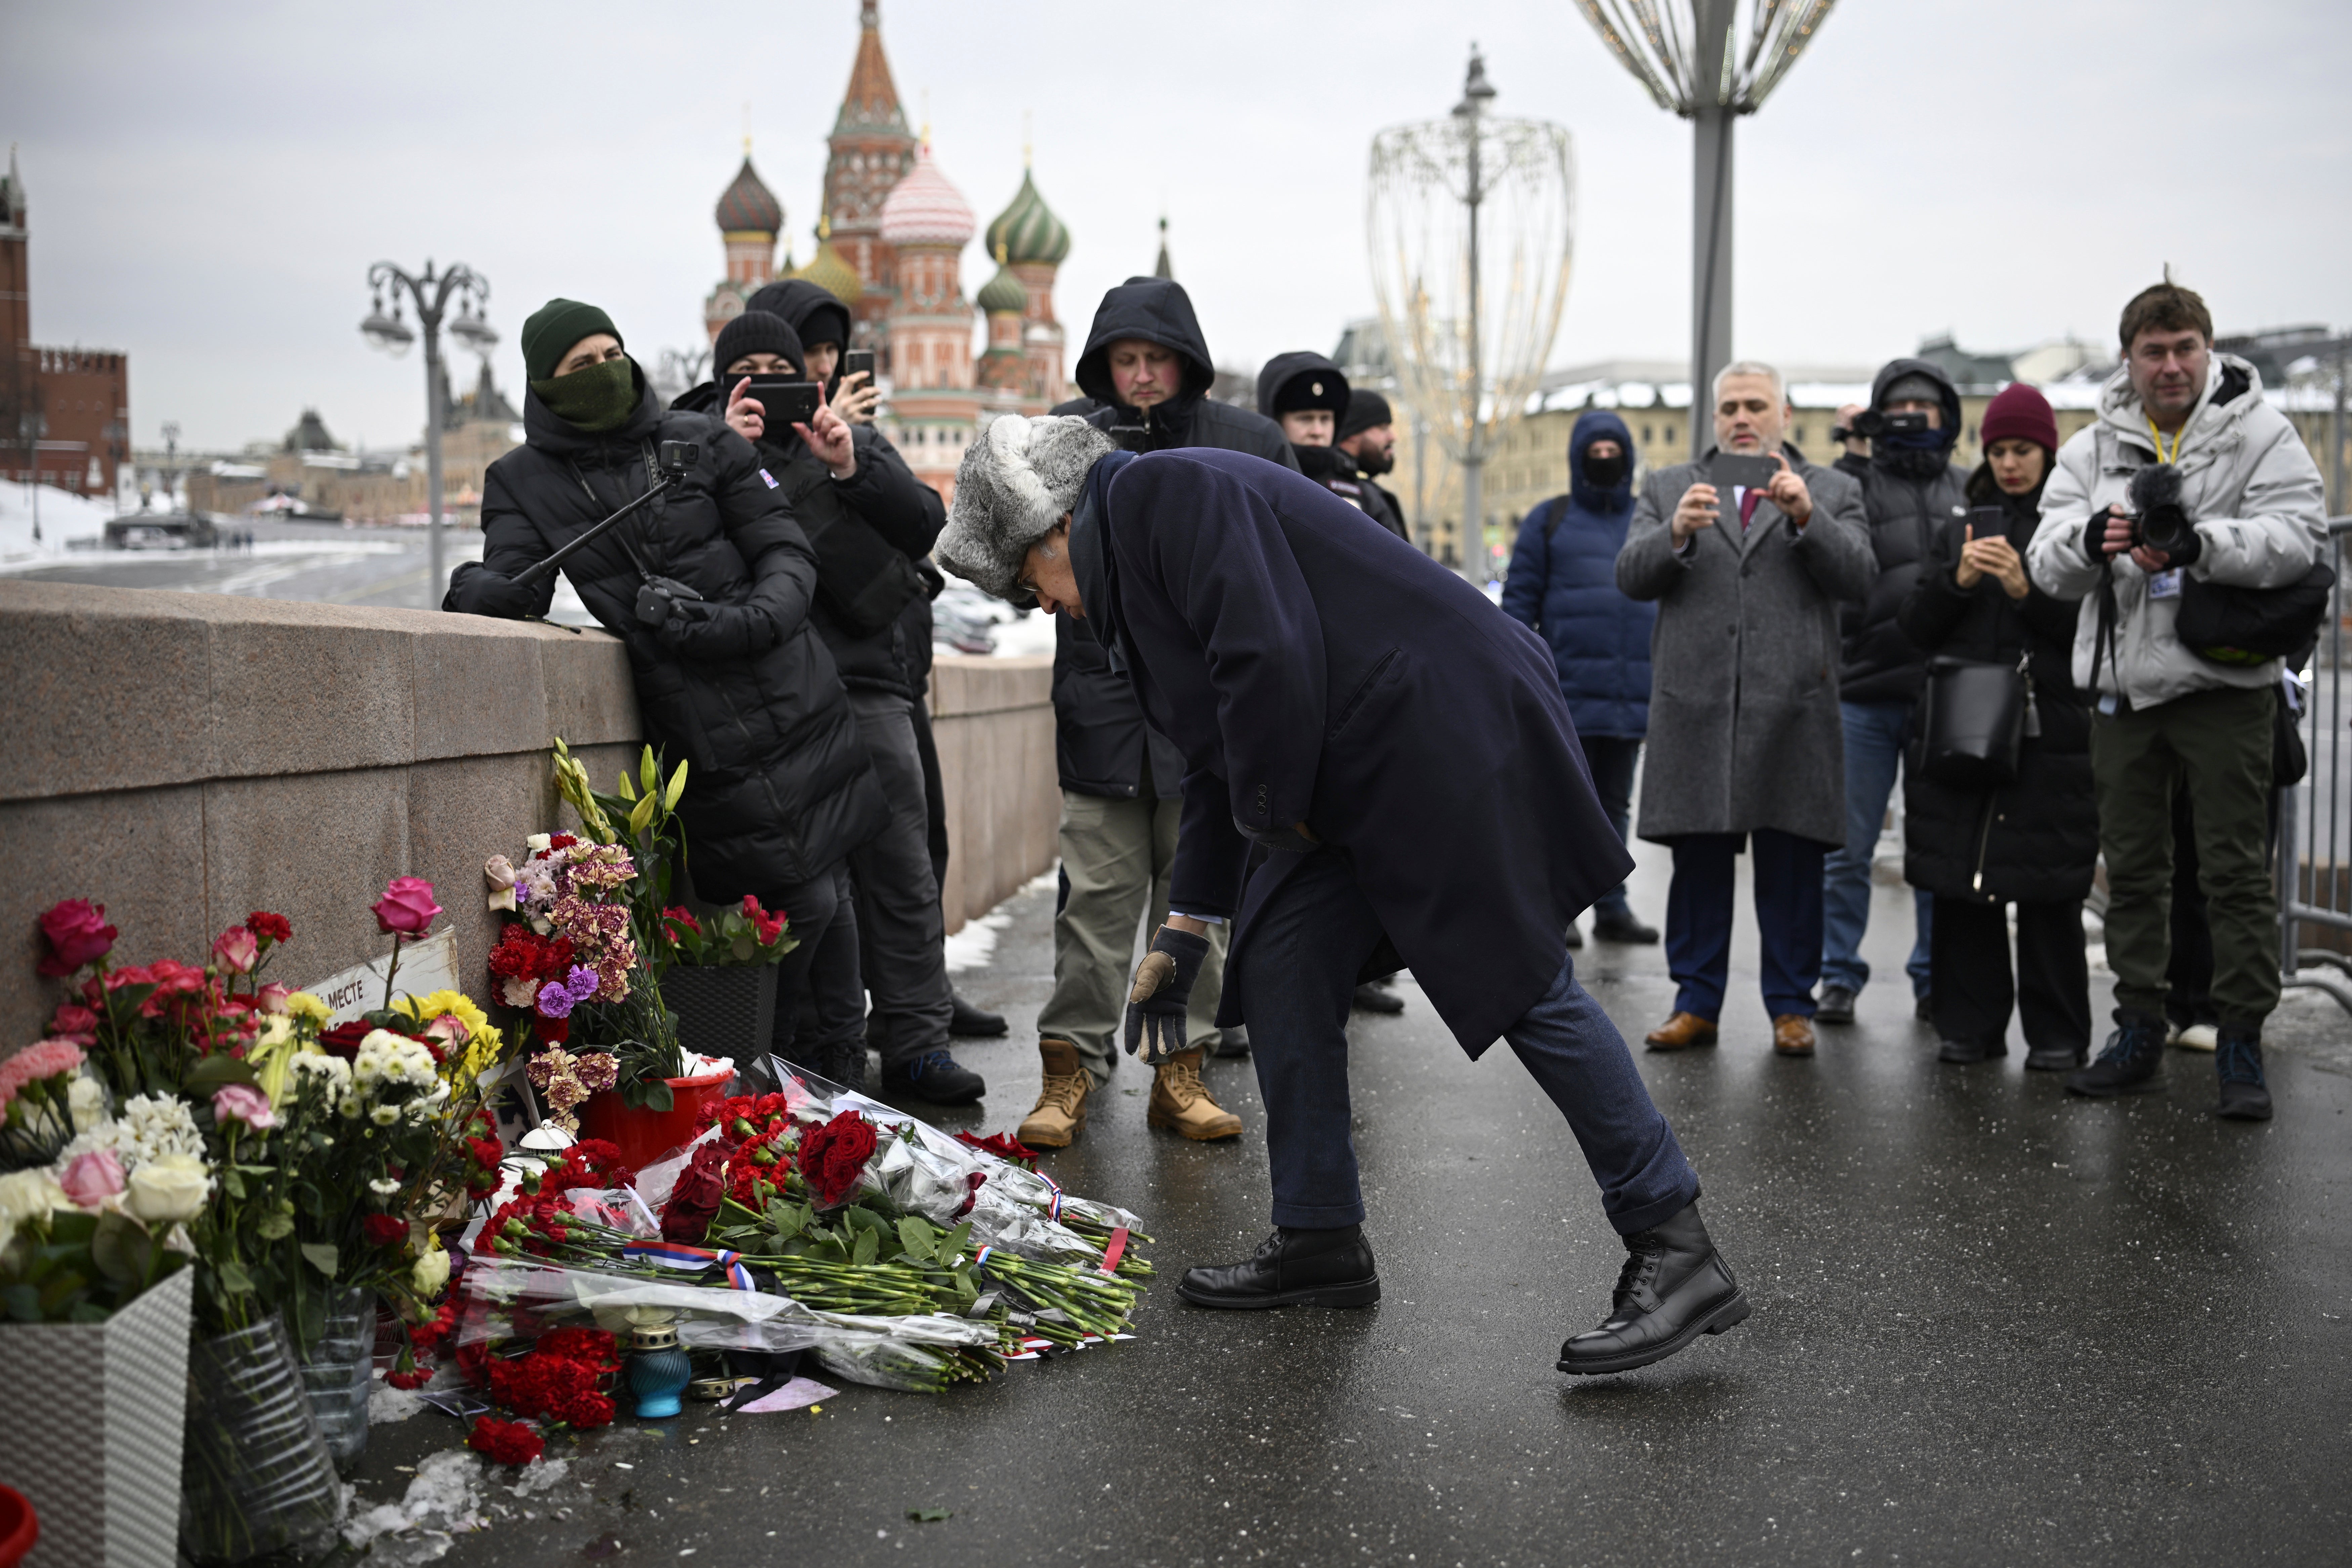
(1061, 1110)
(1182, 1102)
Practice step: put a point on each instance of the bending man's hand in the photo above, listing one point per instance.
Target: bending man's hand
(1163, 991)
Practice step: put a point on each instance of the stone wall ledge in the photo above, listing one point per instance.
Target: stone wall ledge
(130, 689)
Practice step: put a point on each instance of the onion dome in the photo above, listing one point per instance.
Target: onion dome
(1003, 294)
(1027, 231)
(830, 270)
(748, 207)
(925, 209)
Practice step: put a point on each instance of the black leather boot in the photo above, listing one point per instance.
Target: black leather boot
(970, 1023)
(1979, 1049)
(1370, 998)
(1675, 1286)
(2130, 1064)
(2238, 1058)
(1291, 1268)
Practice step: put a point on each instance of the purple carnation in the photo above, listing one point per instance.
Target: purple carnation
(558, 997)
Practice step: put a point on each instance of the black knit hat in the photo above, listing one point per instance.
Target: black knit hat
(757, 333)
(1365, 409)
(552, 330)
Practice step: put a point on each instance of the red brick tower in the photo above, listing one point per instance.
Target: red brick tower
(869, 152)
(64, 413)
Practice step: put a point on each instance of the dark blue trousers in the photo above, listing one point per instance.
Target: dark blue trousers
(1305, 950)
(1787, 919)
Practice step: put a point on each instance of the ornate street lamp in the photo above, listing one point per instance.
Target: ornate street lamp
(1705, 61)
(1471, 223)
(432, 295)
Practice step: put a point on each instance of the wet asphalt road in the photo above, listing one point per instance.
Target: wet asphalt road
(1992, 1325)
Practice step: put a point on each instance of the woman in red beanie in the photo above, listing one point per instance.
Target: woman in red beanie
(2031, 843)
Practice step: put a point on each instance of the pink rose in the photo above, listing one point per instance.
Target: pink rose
(406, 907)
(75, 1023)
(77, 934)
(272, 997)
(449, 1029)
(93, 1178)
(243, 1102)
(236, 949)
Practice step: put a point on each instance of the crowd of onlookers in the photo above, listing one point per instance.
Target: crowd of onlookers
(1785, 639)
(2069, 656)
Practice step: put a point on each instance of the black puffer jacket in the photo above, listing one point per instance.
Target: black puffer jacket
(2037, 839)
(868, 532)
(1337, 472)
(1876, 662)
(780, 788)
(1101, 743)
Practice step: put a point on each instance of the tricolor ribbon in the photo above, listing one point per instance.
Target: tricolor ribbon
(678, 1255)
(1054, 1207)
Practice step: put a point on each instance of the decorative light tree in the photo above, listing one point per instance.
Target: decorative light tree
(1471, 223)
(1710, 64)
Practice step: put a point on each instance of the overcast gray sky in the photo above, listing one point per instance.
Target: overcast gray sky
(209, 183)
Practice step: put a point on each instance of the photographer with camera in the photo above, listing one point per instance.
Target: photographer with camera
(2189, 518)
(870, 522)
(1747, 553)
(709, 585)
(1910, 492)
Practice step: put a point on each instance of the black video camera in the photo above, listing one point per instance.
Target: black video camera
(678, 457)
(2158, 520)
(1873, 422)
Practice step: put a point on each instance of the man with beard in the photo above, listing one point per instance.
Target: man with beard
(1307, 396)
(1368, 435)
(1146, 373)
(1325, 682)
(1911, 491)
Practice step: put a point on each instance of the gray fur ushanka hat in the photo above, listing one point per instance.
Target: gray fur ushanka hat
(1012, 487)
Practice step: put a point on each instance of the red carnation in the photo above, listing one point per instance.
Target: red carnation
(269, 927)
(561, 841)
(383, 1229)
(833, 1155)
(506, 1442)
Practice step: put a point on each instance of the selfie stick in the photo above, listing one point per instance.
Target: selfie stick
(534, 573)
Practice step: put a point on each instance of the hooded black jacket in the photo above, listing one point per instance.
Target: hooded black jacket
(780, 787)
(1102, 746)
(868, 532)
(2037, 839)
(816, 314)
(1876, 662)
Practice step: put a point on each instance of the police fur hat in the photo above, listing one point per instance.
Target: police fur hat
(1013, 485)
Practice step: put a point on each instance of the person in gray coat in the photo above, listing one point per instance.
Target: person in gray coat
(1745, 743)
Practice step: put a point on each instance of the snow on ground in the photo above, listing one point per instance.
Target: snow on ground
(64, 516)
(974, 947)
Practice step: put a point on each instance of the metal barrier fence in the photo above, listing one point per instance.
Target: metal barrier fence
(2315, 816)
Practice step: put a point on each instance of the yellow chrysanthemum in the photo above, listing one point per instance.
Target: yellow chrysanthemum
(302, 1005)
(483, 1042)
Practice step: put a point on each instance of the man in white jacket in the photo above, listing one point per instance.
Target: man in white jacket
(2168, 718)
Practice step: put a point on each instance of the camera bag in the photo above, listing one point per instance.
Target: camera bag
(1972, 721)
(2251, 626)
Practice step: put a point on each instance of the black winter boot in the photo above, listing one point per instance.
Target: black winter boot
(2239, 1060)
(1291, 1268)
(1979, 1049)
(1673, 1288)
(2130, 1064)
(970, 1023)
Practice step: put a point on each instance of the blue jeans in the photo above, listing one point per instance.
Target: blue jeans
(1787, 893)
(1297, 975)
(1876, 735)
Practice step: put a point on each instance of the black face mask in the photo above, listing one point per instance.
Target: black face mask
(1604, 473)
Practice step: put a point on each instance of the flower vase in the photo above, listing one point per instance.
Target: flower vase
(339, 1374)
(658, 1370)
(256, 1475)
(643, 1135)
(727, 1010)
(97, 1450)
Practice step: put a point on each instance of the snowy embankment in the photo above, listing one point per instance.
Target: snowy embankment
(64, 516)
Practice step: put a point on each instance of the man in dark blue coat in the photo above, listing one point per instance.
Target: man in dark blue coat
(1401, 756)
(1563, 584)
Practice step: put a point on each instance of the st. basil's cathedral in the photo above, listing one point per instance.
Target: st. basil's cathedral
(889, 246)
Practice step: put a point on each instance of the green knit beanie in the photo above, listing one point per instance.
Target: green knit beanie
(551, 330)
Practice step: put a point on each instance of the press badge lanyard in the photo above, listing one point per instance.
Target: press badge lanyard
(2157, 437)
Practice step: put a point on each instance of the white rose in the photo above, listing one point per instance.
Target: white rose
(432, 1272)
(87, 1102)
(168, 1189)
(29, 1195)
(539, 841)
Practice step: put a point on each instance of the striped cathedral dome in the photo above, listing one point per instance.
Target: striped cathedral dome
(748, 206)
(830, 270)
(1002, 294)
(924, 209)
(1027, 230)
